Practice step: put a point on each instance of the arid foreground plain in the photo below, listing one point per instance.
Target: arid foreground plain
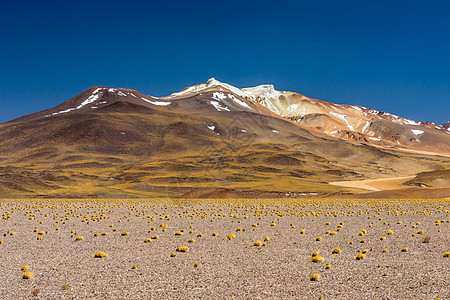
(402, 249)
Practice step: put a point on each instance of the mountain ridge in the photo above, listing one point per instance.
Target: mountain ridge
(212, 136)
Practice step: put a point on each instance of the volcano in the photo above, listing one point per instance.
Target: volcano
(211, 140)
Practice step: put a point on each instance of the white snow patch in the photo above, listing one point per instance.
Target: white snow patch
(365, 126)
(212, 127)
(159, 103)
(217, 106)
(417, 132)
(242, 103)
(334, 132)
(411, 122)
(121, 94)
(343, 118)
(219, 96)
(356, 107)
(133, 95)
(243, 130)
(374, 139)
(93, 106)
(275, 131)
(122, 133)
(92, 98)
(103, 102)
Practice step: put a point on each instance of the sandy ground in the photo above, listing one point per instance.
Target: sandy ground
(380, 184)
(227, 269)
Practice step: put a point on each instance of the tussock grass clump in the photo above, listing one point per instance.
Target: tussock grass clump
(266, 239)
(426, 239)
(420, 232)
(133, 267)
(27, 275)
(446, 254)
(215, 234)
(384, 251)
(104, 233)
(362, 241)
(172, 254)
(315, 253)
(405, 249)
(155, 237)
(179, 233)
(360, 256)
(317, 259)
(199, 235)
(196, 265)
(336, 251)
(182, 249)
(364, 251)
(257, 243)
(327, 267)
(191, 241)
(124, 233)
(231, 236)
(389, 232)
(25, 268)
(302, 231)
(79, 238)
(147, 240)
(315, 277)
(382, 238)
(100, 254)
(318, 239)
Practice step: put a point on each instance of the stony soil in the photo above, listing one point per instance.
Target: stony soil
(227, 269)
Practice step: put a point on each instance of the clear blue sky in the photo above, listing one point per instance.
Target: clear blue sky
(388, 55)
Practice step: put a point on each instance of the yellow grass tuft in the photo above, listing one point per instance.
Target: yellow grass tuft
(147, 240)
(317, 259)
(196, 265)
(27, 275)
(446, 254)
(389, 232)
(155, 237)
(336, 251)
(360, 256)
(191, 241)
(327, 267)
(100, 254)
(183, 249)
(25, 268)
(231, 236)
(405, 249)
(215, 234)
(124, 233)
(315, 277)
(79, 238)
(385, 250)
(315, 253)
(179, 233)
(266, 239)
(302, 231)
(318, 238)
(257, 243)
(382, 238)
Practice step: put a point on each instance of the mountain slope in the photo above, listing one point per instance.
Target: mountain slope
(118, 142)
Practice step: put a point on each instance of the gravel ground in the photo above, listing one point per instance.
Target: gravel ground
(227, 269)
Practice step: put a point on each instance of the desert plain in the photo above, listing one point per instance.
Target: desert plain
(403, 248)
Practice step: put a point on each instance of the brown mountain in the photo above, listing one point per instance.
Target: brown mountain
(210, 139)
